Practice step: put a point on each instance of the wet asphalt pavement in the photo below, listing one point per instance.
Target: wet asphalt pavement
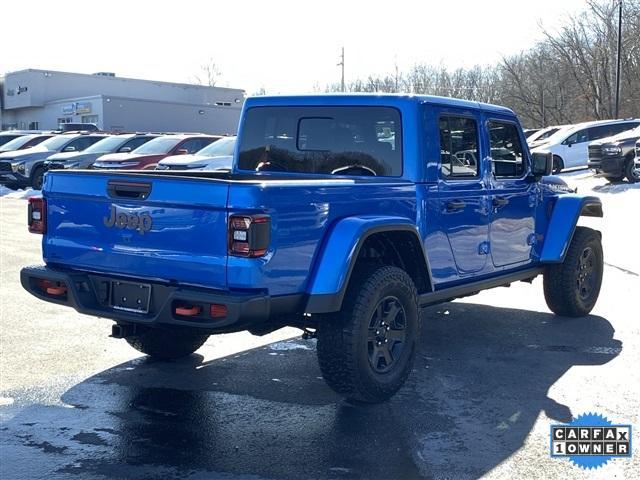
(494, 371)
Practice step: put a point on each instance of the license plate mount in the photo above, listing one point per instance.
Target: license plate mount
(130, 297)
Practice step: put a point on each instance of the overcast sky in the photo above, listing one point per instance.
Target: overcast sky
(283, 46)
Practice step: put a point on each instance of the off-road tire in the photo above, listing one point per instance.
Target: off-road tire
(629, 168)
(166, 344)
(558, 165)
(344, 343)
(564, 289)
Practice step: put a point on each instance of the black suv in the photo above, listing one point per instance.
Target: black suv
(613, 157)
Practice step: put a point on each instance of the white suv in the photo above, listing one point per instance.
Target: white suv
(570, 145)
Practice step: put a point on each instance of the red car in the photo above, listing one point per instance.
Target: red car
(148, 155)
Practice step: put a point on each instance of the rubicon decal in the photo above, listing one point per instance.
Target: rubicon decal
(590, 440)
(133, 221)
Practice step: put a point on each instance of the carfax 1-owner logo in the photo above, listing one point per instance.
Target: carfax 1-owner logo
(590, 441)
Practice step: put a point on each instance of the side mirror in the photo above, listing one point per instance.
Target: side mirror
(69, 149)
(125, 150)
(182, 151)
(541, 164)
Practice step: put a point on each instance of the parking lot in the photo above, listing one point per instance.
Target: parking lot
(494, 371)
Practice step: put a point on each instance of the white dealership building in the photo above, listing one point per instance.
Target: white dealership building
(43, 99)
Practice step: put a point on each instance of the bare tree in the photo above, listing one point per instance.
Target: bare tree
(209, 74)
(566, 78)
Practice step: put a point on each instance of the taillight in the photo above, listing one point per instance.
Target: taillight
(249, 235)
(37, 215)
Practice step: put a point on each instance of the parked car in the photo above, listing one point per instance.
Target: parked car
(25, 141)
(78, 127)
(25, 168)
(614, 157)
(541, 136)
(530, 131)
(148, 155)
(13, 134)
(122, 143)
(215, 156)
(321, 225)
(570, 146)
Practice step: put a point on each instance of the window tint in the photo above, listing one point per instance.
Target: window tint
(506, 150)
(195, 144)
(459, 155)
(622, 127)
(83, 142)
(136, 142)
(578, 137)
(602, 131)
(329, 140)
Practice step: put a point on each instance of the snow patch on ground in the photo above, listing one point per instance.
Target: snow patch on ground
(9, 193)
(280, 346)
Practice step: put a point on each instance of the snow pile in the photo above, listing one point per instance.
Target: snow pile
(9, 193)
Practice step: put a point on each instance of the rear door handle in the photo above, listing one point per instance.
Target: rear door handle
(454, 205)
(500, 201)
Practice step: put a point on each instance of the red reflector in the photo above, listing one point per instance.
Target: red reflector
(218, 311)
(37, 215)
(188, 311)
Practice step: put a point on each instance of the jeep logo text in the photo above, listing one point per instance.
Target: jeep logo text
(133, 221)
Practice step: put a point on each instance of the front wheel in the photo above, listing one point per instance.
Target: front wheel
(38, 178)
(632, 171)
(366, 350)
(571, 288)
(166, 344)
(558, 165)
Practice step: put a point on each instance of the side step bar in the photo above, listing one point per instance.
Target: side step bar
(451, 293)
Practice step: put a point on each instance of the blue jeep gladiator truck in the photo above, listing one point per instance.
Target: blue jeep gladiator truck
(343, 215)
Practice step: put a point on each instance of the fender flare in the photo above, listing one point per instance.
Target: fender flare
(562, 224)
(335, 263)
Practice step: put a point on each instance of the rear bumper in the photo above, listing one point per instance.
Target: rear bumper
(89, 293)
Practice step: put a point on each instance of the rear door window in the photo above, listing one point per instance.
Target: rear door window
(507, 155)
(135, 142)
(363, 141)
(459, 154)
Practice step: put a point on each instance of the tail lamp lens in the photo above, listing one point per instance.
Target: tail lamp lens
(37, 215)
(249, 235)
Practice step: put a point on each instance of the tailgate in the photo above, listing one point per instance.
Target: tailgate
(143, 226)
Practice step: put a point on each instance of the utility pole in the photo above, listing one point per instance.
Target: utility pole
(619, 55)
(341, 64)
(543, 108)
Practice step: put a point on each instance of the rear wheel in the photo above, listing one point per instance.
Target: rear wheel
(167, 344)
(366, 350)
(558, 164)
(571, 288)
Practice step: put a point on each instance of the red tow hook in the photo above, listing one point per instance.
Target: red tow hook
(51, 287)
(188, 311)
(57, 291)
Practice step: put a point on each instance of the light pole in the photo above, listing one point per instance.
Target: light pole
(619, 55)
(341, 64)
